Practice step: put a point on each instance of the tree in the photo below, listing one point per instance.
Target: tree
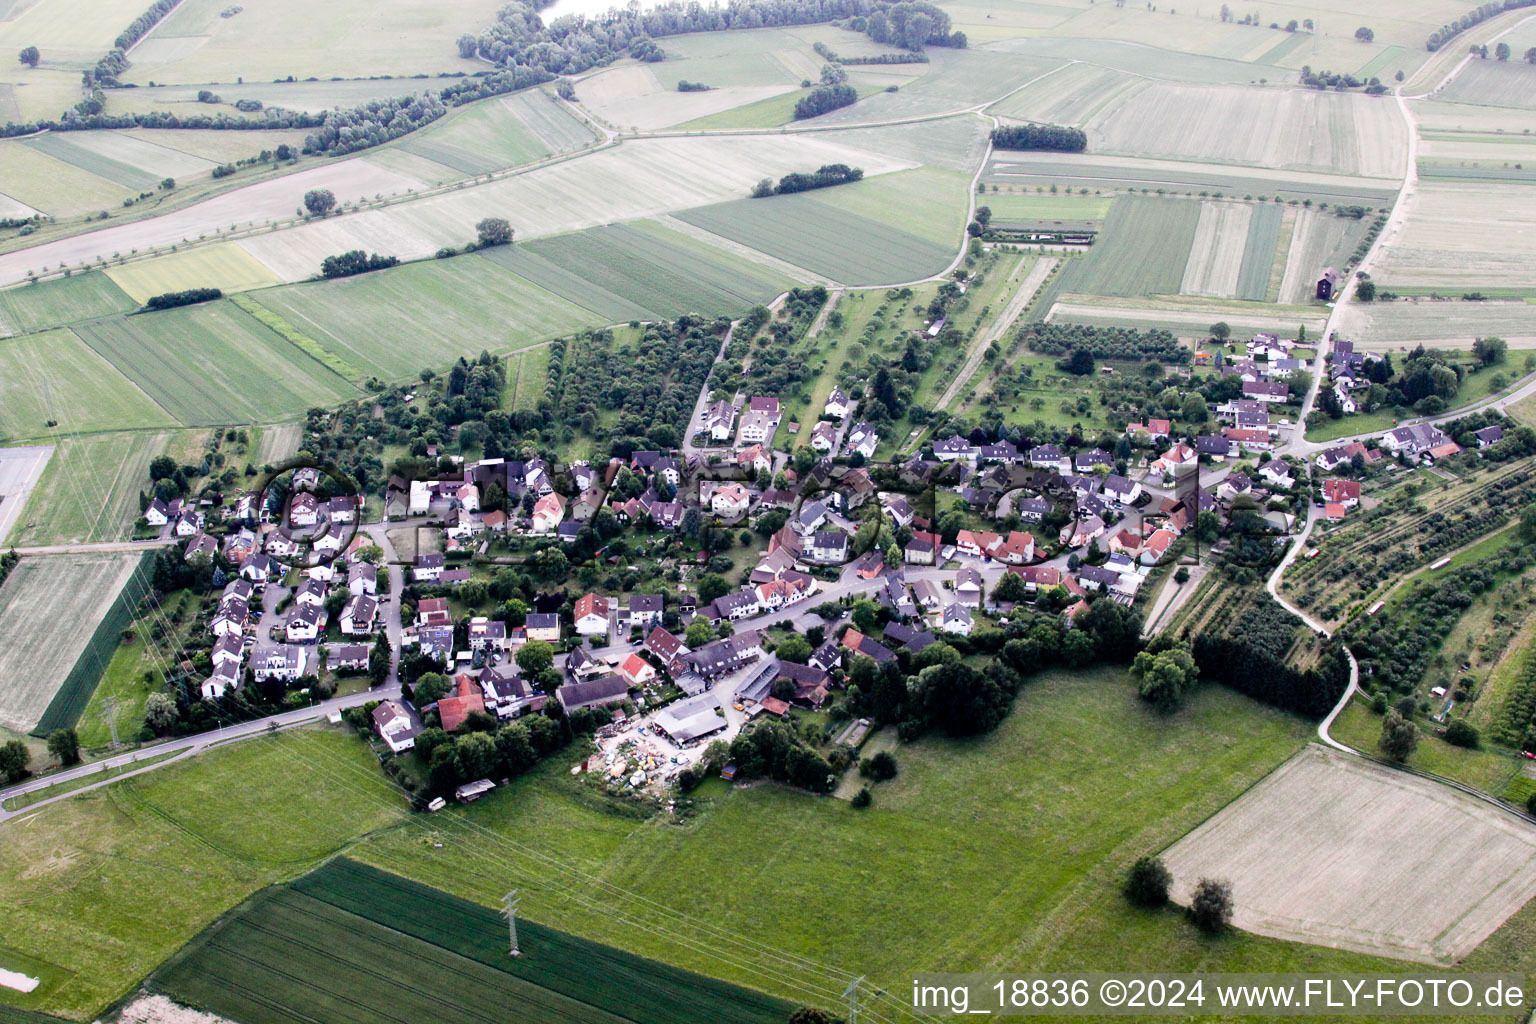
(64, 744)
(494, 231)
(29, 56)
(430, 688)
(160, 713)
(812, 1014)
(881, 767)
(1365, 291)
(1461, 733)
(1211, 905)
(862, 799)
(1080, 362)
(1490, 350)
(566, 90)
(1193, 409)
(699, 634)
(1146, 884)
(794, 648)
(1501, 51)
(1528, 523)
(1163, 678)
(1399, 737)
(535, 657)
(1221, 330)
(14, 757)
(1010, 588)
(319, 201)
(1364, 34)
(712, 586)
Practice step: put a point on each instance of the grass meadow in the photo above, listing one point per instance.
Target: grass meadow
(59, 302)
(53, 377)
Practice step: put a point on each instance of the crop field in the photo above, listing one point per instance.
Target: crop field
(837, 244)
(1216, 254)
(1033, 208)
(636, 98)
(60, 301)
(486, 137)
(1150, 50)
(1070, 95)
(123, 157)
(1142, 249)
(53, 378)
(1493, 83)
(1400, 325)
(67, 29)
(276, 443)
(259, 966)
(1436, 116)
(264, 202)
(216, 146)
(54, 601)
(89, 491)
(925, 201)
(1318, 239)
(213, 364)
(289, 37)
(955, 79)
(1206, 36)
(359, 318)
(225, 266)
(313, 96)
(1260, 252)
(52, 186)
(951, 143)
(1191, 319)
(14, 209)
(1463, 237)
(1329, 876)
(568, 285)
(1278, 129)
(661, 271)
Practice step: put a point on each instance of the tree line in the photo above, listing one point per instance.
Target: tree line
(1057, 138)
(1248, 654)
(1445, 33)
(909, 23)
(189, 297)
(1059, 339)
(827, 53)
(355, 261)
(824, 176)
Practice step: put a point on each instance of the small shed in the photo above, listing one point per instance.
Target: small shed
(1327, 284)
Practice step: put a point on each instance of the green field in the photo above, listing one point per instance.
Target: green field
(454, 308)
(527, 374)
(660, 270)
(567, 284)
(925, 201)
(122, 683)
(54, 377)
(60, 147)
(60, 301)
(89, 491)
(1023, 169)
(486, 137)
(1386, 63)
(214, 364)
(1042, 208)
(1141, 251)
(315, 948)
(825, 240)
(1259, 252)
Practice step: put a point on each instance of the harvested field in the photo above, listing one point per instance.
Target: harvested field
(67, 29)
(1139, 53)
(1323, 850)
(1095, 171)
(52, 377)
(641, 178)
(951, 143)
(60, 301)
(1142, 249)
(261, 203)
(214, 364)
(1216, 254)
(550, 120)
(218, 146)
(55, 601)
(20, 470)
(14, 209)
(1436, 116)
(359, 318)
(1071, 95)
(1032, 208)
(1186, 321)
(225, 266)
(1451, 324)
(1463, 237)
(1493, 83)
(1279, 129)
(312, 96)
(645, 97)
(1318, 240)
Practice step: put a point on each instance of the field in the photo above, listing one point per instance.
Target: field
(1070, 95)
(49, 606)
(213, 364)
(53, 378)
(1447, 324)
(1317, 240)
(260, 965)
(1463, 237)
(120, 157)
(59, 302)
(276, 443)
(41, 182)
(1493, 83)
(527, 373)
(1335, 875)
(1141, 251)
(1277, 129)
(1033, 208)
(89, 492)
(358, 318)
(1148, 48)
(506, 131)
(1185, 317)
(225, 266)
(1259, 266)
(1216, 254)
(955, 80)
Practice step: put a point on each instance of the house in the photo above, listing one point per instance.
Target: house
(592, 615)
(1100, 577)
(974, 542)
(725, 655)
(1343, 492)
(347, 657)
(1345, 400)
(862, 440)
(1277, 474)
(1090, 460)
(582, 664)
(738, 604)
(363, 578)
(667, 649)
(869, 565)
(357, 618)
(1327, 284)
(753, 459)
(868, 647)
(1045, 456)
(730, 500)
(1266, 391)
(396, 505)
(690, 720)
(1157, 546)
(506, 693)
(1420, 437)
(1233, 485)
(1082, 532)
(968, 588)
(230, 618)
(547, 513)
(432, 611)
(223, 679)
(1440, 451)
(812, 684)
(285, 662)
(956, 618)
(201, 547)
(1002, 451)
(227, 651)
(826, 657)
(428, 568)
(824, 436)
(435, 642)
(829, 546)
(922, 549)
(395, 727)
(1157, 430)
(421, 497)
(719, 419)
(907, 637)
(838, 404)
(487, 635)
(258, 568)
(1333, 511)
(644, 611)
(637, 671)
(952, 448)
(759, 422)
(1488, 436)
(1174, 459)
(156, 514)
(305, 622)
(465, 700)
(1120, 490)
(543, 626)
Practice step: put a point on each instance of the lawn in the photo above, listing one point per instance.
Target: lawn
(121, 690)
(1141, 251)
(106, 885)
(89, 491)
(454, 308)
(59, 302)
(835, 243)
(52, 383)
(1359, 423)
(260, 967)
(214, 364)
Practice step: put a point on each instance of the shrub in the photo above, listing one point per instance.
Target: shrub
(862, 798)
(1461, 733)
(880, 767)
(1211, 906)
(1146, 884)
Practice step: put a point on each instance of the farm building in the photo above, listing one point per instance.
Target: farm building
(1327, 284)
